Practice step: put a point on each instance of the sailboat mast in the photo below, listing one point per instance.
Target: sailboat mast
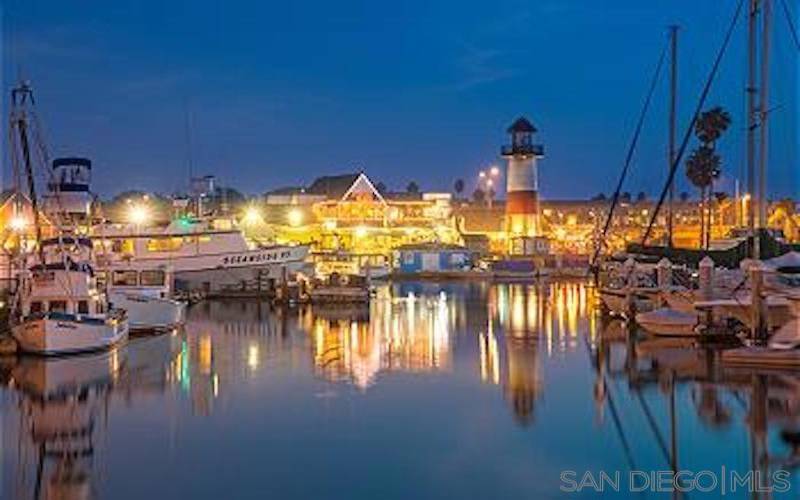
(673, 90)
(763, 140)
(752, 90)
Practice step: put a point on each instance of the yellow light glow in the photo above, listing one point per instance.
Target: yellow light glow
(361, 232)
(253, 356)
(295, 217)
(252, 215)
(329, 225)
(18, 223)
(139, 214)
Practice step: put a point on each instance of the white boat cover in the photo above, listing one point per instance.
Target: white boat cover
(667, 317)
(790, 259)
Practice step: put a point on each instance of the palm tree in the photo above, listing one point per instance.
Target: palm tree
(702, 168)
(704, 165)
(711, 124)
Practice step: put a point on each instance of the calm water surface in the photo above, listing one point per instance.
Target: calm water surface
(433, 391)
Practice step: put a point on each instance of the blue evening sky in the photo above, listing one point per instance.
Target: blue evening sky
(281, 92)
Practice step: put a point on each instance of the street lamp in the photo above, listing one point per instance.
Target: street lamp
(494, 171)
(295, 217)
(252, 215)
(138, 214)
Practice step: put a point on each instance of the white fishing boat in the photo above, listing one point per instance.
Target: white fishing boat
(204, 254)
(145, 293)
(60, 309)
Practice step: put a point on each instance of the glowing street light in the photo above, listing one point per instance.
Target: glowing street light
(481, 174)
(139, 214)
(252, 215)
(295, 217)
(494, 171)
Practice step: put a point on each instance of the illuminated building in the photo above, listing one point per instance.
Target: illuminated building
(348, 213)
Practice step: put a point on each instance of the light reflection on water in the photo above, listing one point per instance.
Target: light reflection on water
(469, 389)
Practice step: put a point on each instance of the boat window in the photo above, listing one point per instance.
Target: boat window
(164, 244)
(152, 278)
(36, 307)
(83, 307)
(58, 306)
(204, 239)
(124, 278)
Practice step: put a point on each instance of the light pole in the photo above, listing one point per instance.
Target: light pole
(487, 181)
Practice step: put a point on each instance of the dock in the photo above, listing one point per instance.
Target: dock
(762, 357)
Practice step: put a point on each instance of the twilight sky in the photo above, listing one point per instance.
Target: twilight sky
(280, 92)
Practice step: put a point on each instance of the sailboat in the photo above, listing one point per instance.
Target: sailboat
(59, 308)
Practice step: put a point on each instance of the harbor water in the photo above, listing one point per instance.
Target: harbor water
(434, 390)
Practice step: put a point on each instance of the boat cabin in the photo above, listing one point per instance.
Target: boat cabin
(65, 282)
(153, 282)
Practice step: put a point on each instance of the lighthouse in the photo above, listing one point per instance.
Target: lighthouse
(522, 183)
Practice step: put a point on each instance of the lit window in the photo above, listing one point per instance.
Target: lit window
(124, 278)
(152, 278)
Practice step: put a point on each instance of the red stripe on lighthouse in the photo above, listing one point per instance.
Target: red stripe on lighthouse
(522, 202)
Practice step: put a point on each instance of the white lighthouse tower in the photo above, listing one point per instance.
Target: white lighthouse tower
(522, 188)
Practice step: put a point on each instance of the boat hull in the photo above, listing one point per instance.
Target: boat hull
(668, 322)
(150, 313)
(52, 335)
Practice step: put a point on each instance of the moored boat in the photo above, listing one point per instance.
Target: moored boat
(60, 308)
(145, 293)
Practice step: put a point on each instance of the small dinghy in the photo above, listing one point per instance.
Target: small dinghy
(668, 322)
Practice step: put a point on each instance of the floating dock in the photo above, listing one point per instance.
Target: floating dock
(762, 357)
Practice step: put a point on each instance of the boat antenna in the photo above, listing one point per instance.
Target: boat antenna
(701, 102)
(629, 156)
(188, 139)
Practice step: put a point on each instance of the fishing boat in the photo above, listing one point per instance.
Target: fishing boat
(145, 293)
(204, 254)
(60, 308)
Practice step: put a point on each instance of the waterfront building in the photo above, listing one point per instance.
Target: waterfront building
(432, 257)
(349, 213)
